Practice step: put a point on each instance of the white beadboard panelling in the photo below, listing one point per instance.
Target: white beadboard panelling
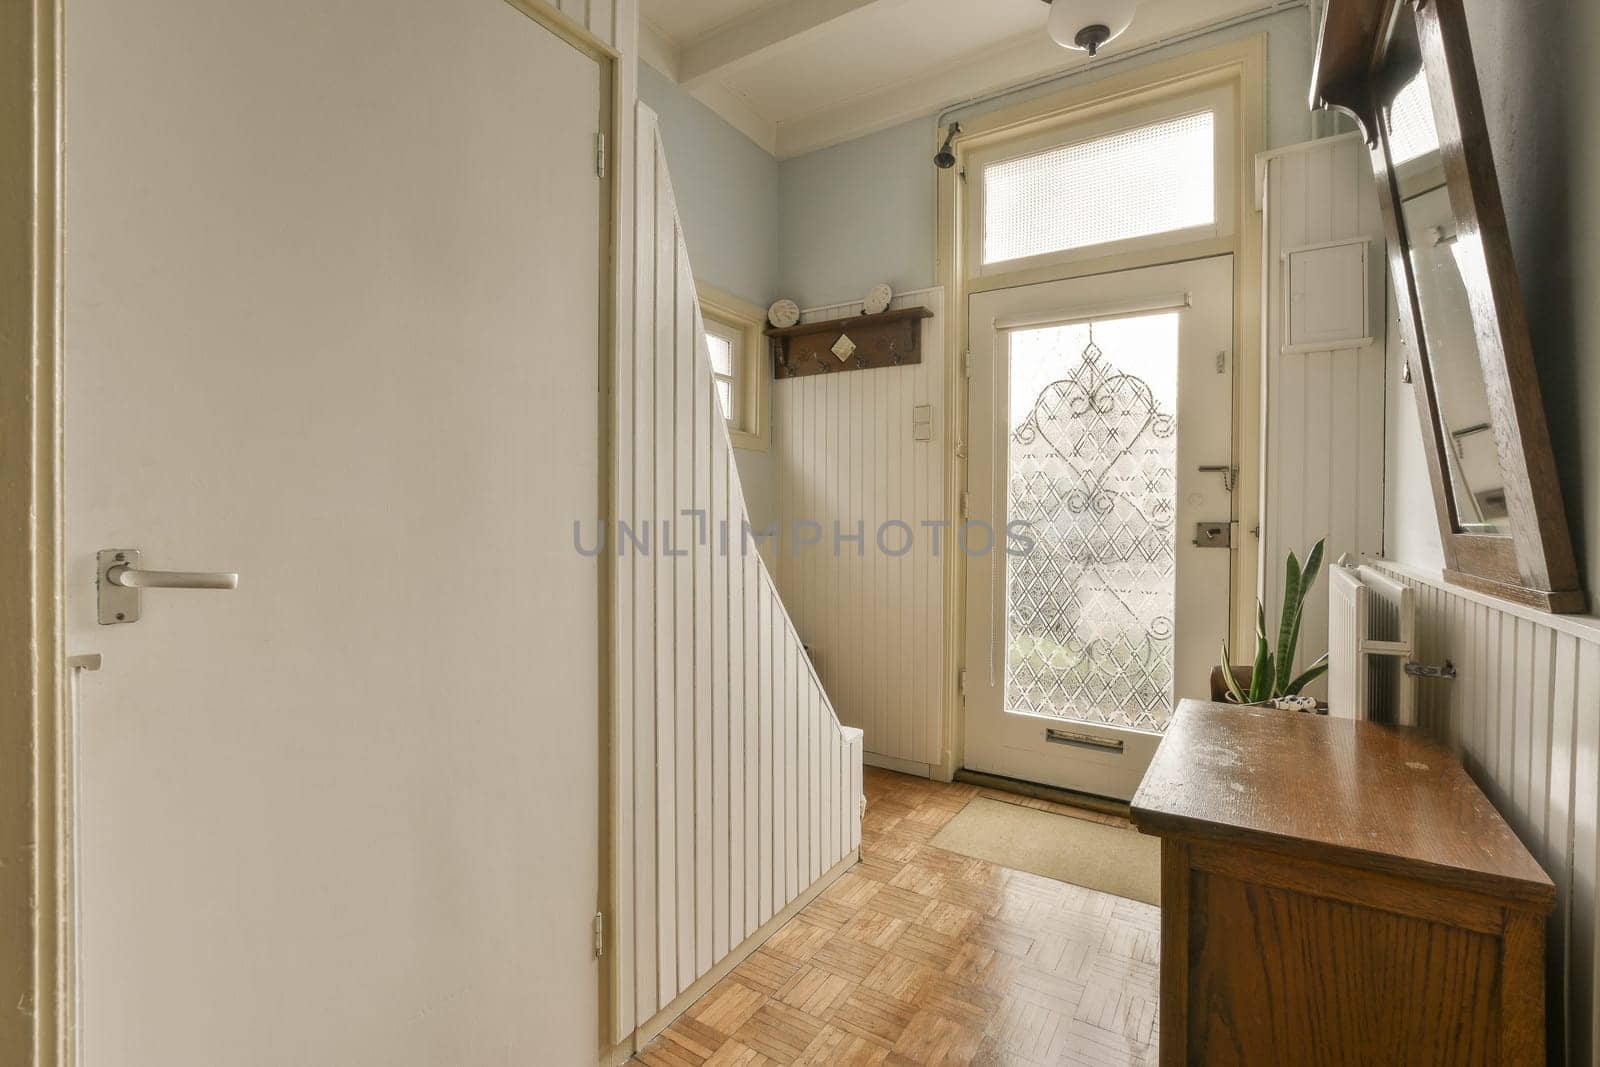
(1322, 452)
(1524, 715)
(733, 763)
(874, 621)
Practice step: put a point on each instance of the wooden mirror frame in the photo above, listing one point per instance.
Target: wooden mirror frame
(1535, 564)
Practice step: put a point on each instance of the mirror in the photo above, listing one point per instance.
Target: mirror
(1438, 260)
(1403, 71)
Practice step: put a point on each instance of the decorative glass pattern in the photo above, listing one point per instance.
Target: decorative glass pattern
(1092, 470)
(1153, 179)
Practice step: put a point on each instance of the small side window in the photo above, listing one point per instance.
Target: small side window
(739, 368)
(726, 347)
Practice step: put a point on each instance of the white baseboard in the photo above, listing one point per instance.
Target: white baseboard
(894, 763)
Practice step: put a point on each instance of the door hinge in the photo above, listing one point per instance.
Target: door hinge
(599, 934)
(599, 154)
(966, 364)
(961, 681)
(966, 505)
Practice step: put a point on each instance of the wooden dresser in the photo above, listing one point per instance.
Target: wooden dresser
(1337, 892)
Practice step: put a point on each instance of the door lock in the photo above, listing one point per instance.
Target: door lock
(1213, 534)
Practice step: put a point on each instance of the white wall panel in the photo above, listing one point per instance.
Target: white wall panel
(1524, 715)
(731, 758)
(1322, 450)
(874, 621)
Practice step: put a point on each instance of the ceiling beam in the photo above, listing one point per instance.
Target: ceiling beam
(736, 111)
(748, 39)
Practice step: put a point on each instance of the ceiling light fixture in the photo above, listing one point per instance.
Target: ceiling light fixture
(1088, 25)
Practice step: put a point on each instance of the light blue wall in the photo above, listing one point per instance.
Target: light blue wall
(727, 189)
(858, 213)
(865, 211)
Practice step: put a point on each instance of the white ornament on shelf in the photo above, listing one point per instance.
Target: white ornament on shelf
(783, 314)
(878, 298)
(844, 348)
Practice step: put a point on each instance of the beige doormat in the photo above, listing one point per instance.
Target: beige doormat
(1112, 859)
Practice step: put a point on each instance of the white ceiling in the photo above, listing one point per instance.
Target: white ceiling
(797, 75)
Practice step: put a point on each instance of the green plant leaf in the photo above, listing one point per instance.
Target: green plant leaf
(1289, 634)
(1313, 565)
(1263, 653)
(1288, 624)
(1261, 683)
(1307, 676)
(1227, 673)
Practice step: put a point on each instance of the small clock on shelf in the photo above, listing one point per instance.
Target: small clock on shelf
(783, 314)
(878, 297)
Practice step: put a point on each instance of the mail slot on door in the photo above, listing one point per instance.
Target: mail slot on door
(1213, 534)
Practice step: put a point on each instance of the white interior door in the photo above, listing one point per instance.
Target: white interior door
(1094, 406)
(332, 277)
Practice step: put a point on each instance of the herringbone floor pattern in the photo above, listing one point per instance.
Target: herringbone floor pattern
(921, 956)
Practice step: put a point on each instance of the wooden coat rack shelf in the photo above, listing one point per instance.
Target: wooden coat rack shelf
(888, 339)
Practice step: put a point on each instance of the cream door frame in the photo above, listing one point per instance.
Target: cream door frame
(35, 882)
(1241, 65)
(37, 924)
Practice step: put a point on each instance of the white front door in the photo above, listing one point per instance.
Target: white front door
(332, 323)
(1095, 406)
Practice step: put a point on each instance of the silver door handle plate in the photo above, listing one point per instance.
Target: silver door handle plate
(118, 580)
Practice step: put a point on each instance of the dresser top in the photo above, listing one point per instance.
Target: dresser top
(1384, 798)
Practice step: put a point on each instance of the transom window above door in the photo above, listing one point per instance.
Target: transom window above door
(1155, 174)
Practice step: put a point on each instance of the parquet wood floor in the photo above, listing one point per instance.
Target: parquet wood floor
(926, 957)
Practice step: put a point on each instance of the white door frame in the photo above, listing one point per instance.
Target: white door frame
(1242, 64)
(1101, 759)
(37, 920)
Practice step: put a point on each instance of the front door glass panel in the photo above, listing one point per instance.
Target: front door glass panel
(1092, 472)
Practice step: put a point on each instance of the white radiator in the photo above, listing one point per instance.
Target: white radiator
(1372, 627)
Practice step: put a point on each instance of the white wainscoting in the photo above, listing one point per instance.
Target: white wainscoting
(1524, 714)
(874, 621)
(1322, 458)
(738, 788)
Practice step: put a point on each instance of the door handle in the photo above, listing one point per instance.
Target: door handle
(133, 578)
(119, 579)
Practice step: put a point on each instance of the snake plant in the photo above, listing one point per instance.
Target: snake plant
(1271, 677)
